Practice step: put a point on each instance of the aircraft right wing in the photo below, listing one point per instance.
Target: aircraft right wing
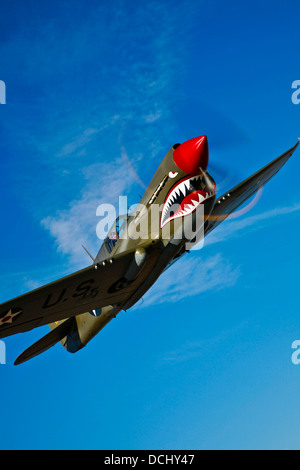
(234, 198)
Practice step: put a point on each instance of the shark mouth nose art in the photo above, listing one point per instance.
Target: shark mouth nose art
(185, 197)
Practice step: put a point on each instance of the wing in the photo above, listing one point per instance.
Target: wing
(234, 198)
(80, 292)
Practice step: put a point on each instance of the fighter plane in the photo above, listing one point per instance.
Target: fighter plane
(179, 204)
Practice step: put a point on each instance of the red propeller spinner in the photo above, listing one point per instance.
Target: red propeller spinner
(192, 155)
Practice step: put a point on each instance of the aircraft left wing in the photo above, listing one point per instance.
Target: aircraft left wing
(235, 197)
(79, 292)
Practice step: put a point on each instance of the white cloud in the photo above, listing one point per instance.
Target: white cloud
(77, 225)
(231, 228)
(194, 275)
(124, 125)
(194, 349)
(190, 276)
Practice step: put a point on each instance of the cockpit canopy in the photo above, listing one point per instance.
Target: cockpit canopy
(113, 236)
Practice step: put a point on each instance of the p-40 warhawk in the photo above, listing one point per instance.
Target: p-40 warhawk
(78, 306)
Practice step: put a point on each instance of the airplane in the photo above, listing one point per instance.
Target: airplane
(180, 207)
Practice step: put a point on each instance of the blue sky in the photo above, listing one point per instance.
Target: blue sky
(96, 95)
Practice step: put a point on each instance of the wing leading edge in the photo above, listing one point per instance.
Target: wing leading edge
(234, 198)
(80, 292)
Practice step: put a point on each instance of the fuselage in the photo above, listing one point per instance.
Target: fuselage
(164, 225)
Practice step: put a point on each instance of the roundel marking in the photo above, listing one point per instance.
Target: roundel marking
(10, 316)
(96, 313)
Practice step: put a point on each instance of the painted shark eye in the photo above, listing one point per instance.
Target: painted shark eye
(173, 174)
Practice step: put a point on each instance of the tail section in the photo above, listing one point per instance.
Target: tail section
(73, 333)
(85, 326)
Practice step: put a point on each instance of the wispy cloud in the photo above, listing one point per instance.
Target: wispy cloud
(232, 228)
(111, 101)
(195, 349)
(123, 122)
(195, 274)
(76, 225)
(192, 276)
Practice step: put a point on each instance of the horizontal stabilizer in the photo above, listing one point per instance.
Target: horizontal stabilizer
(46, 342)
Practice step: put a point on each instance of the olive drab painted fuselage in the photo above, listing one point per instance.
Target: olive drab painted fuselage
(179, 208)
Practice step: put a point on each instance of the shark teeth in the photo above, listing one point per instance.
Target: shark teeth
(176, 198)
